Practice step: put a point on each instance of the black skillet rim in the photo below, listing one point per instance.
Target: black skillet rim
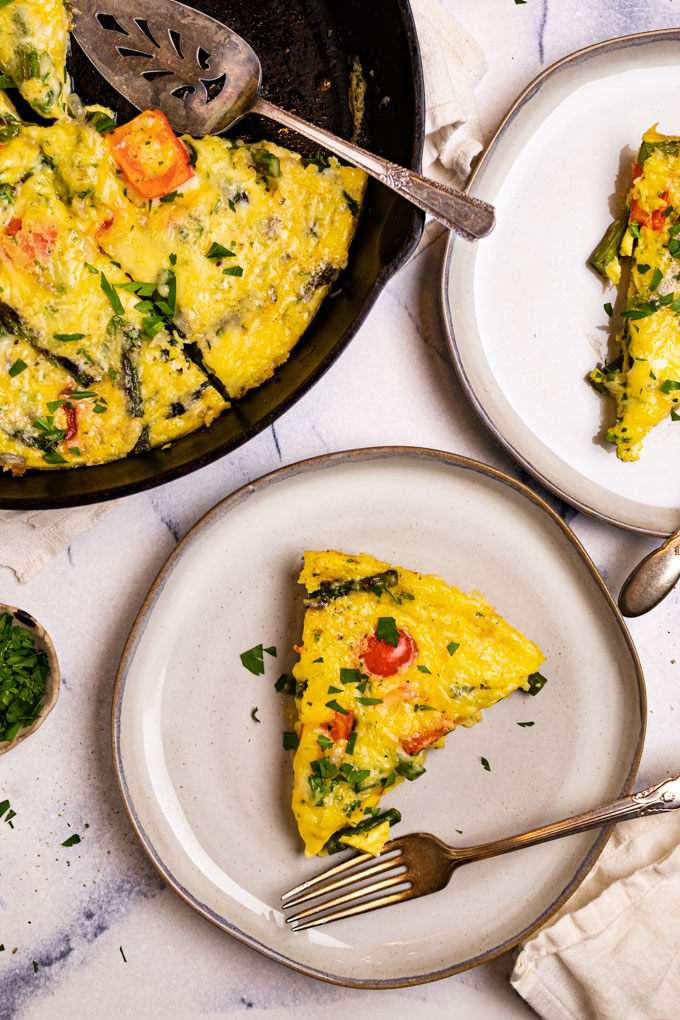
(169, 474)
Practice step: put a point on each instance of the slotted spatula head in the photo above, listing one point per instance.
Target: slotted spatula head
(162, 54)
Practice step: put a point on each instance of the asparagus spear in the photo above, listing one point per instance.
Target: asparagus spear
(334, 590)
(608, 248)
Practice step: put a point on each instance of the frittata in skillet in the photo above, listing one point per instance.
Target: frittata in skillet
(645, 379)
(390, 662)
(145, 280)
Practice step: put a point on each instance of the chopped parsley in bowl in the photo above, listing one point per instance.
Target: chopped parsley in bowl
(29, 676)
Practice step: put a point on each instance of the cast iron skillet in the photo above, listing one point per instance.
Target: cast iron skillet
(307, 48)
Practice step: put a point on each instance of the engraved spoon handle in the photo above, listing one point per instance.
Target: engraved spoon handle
(652, 579)
(665, 796)
(460, 212)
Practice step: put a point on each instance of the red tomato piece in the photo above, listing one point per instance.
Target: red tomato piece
(655, 220)
(418, 743)
(340, 726)
(26, 246)
(150, 154)
(71, 422)
(382, 659)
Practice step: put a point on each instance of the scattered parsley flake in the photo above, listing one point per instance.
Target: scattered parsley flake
(271, 650)
(536, 683)
(525, 724)
(253, 715)
(253, 660)
(608, 309)
(290, 740)
(72, 840)
(350, 676)
(386, 631)
(337, 707)
(122, 954)
(352, 739)
(453, 647)
(485, 764)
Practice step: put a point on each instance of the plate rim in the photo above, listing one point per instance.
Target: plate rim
(585, 53)
(205, 522)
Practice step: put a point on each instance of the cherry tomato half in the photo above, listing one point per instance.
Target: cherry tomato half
(339, 727)
(150, 154)
(382, 659)
(418, 743)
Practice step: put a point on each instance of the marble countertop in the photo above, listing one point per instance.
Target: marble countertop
(71, 911)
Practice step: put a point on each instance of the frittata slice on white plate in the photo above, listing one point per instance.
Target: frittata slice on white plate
(390, 662)
(645, 379)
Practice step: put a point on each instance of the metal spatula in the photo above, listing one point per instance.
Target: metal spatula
(161, 54)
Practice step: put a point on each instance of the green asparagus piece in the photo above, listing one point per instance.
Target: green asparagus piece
(334, 844)
(608, 248)
(329, 591)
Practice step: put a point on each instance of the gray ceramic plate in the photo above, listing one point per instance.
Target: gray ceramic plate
(207, 788)
(525, 315)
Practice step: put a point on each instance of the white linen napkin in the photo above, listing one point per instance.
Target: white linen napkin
(614, 950)
(453, 63)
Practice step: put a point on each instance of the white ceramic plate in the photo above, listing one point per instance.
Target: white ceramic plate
(525, 314)
(208, 789)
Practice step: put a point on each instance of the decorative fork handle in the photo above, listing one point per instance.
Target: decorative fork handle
(460, 212)
(664, 796)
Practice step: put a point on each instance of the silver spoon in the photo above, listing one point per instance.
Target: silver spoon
(204, 77)
(652, 579)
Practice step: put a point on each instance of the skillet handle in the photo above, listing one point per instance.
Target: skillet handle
(460, 212)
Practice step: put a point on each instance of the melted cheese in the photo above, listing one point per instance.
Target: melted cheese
(75, 243)
(646, 383)
(468, 658)
(33, 44)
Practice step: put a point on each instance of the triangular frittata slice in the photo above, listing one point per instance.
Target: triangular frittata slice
(390, 662)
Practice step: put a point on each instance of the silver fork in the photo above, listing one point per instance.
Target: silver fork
(424, 864)
(162, 54)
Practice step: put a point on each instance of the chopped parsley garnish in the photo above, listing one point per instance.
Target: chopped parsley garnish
(271, 650)
(350, 676)
(320, 659)
(122, 954)
(536, 683)
(5, 808)
(657, 277)
(336, 707)
(233, 271)
(386, 631)
(423, 669)
(452, 647)
(525, 724)
(608, 309)
(23, 672)
(423, 708)
(674, 415)
(669, 386)
(253, 660)
(485, 764)
(642, 269)
(72, 840)
(334, 690)
(290, 740)
(65, 337)
(218, 251)
(35, 967)
(351, 741)
(253, 715)
(52, 457)
(116, 303)
(635, 229)
(370, 701)
(101, 121)
(284, 683)
(17, 367)
(90, 268)
(389, 780)
(324, 742)
(352, 203)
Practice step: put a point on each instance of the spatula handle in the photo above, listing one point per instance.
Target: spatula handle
(460, 212)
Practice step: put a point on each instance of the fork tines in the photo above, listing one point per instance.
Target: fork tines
(354, 873)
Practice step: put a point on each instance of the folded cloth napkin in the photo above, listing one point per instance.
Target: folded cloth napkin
(453, 63)
(28, 539)
(614, 950)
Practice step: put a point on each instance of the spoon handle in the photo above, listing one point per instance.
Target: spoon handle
(652, 579)
(460, 212)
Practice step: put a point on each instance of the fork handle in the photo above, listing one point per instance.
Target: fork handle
(665, 796)
(460, 212)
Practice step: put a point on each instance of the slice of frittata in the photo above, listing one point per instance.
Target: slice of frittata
(390, 662)
(645, 379)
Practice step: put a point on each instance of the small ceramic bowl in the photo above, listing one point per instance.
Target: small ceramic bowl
(52, 683)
